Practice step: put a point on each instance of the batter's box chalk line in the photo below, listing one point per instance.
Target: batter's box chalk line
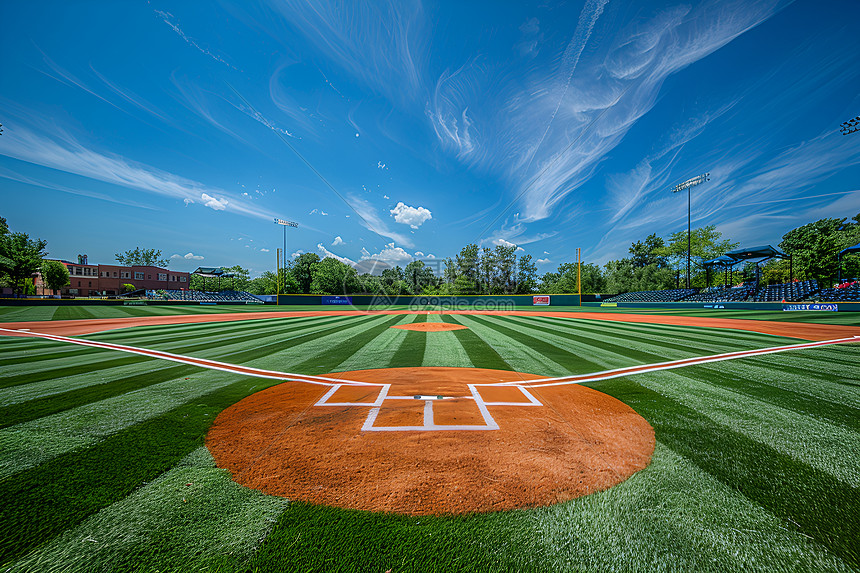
(429, 424)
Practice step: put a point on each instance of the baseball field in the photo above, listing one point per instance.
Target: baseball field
(230, 439)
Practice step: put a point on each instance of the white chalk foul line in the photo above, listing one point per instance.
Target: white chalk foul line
(630, 370)
(202, 362)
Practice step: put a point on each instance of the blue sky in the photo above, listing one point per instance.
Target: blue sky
(400, 129)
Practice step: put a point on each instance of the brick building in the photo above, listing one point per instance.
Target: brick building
(98, 280)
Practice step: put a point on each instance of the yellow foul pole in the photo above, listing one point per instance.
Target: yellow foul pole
(579, 274)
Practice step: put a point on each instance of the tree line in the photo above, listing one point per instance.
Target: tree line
(654, 263)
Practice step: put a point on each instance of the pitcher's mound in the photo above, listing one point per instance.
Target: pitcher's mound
(430, 326)
(430, 441)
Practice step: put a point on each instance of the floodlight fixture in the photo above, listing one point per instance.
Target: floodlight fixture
(285, 224)
(689, 184)
(850, 126)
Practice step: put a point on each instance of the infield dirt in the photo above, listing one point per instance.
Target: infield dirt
(576, 442)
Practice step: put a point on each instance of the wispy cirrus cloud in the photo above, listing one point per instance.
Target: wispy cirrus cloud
(64, 153)
(371, 220)
(448, 111)
(84, 192)
(168, 18)
(381, 43)
(608, 94)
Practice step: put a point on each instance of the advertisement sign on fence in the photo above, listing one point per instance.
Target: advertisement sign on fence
(816, 306)
(337, 300)
(540, 300)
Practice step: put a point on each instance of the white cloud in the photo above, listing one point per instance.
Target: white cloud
(419, 254)
(542, 261)
(326, 254)
(213, 203)
(188, 256)
(504, 243)
(412, 216)
(381, 165)
(264, 250)
(318, 212)
(297, 253)
(64, 153)
(337, 241)
(391, 254)
(373, 222)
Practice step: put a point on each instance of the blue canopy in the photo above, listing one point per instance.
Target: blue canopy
(854, 249)
(762, 252)
(724, 260)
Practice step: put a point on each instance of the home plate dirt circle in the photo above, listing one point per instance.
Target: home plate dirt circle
(430, 441)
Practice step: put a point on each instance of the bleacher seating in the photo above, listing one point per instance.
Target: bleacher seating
(849, 293)
(789, 292)
(653, 295)
(226, 296)
(719, 294)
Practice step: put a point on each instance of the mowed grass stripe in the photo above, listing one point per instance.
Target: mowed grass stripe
(747, 384)
(177, 345)
(143, 334)
(807, 439)
(58, 402)
(821, 506)
(571, 352)
(99, 362)
(328, 359)
(689, 339)
(134, 337)
(521, 358)
(410, 352)
(25, 445)
(378, 351)
(225, 352)
(480, 354)
(193, 517)
(810, 387)
(44, 501)
(444, 349)
(617, 351)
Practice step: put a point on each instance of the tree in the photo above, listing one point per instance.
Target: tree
(239, 281)
(815, 247)
(705, 243)
(646, 252)
(505, 259)
(466, 280)
(142, 258)
(303, 269)
(20, 257)
(419, 276)
(526, 275)
(55, 275)
(127, 287)
(334, 277)
(563, 281)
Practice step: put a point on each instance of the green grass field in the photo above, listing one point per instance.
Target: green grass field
(103, 468)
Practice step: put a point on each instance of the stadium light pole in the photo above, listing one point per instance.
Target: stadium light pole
(285, 224)
(850, 126)
(689, 184)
